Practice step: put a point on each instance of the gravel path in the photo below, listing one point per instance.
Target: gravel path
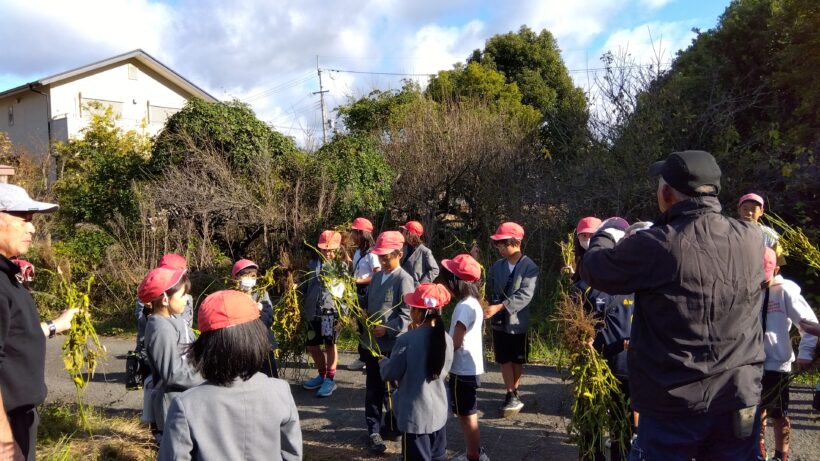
(333, 428)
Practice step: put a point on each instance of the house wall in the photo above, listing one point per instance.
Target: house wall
(142, 98)
(30, 121)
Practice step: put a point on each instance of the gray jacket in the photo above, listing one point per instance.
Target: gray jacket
(420, 406)
(421, 265)
(316, 296)
(514, 293)
(385, 302)
(250, 420)
(166, 341)
(187, 315)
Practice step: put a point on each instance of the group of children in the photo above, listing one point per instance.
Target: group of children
(217, 396)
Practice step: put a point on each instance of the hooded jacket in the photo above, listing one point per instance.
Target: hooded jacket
(696, 339)
(786, 307)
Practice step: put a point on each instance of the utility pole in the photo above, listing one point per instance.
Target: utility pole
(321, 94)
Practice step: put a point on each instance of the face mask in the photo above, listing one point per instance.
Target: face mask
(247, 283)
(584, 243)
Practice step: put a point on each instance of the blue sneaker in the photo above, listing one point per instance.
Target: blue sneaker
(328, 386)
(314, 383)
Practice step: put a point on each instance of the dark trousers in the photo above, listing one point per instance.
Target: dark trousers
(377, 397)
(425, 447)
(23, 422)
(703, 437)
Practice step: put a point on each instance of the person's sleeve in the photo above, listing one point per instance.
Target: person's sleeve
(170, 365)
(5, 324)
(627, 268)
(448, 355)
(374, 262)
(393, 368)
(399, 317)
(177, 443)
(432, 270)
(267, 311)
(464, 315)
(523, 295)
(798, 309)
(138, 310)
(291, 433)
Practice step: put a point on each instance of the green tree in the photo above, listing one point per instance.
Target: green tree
(372, 113)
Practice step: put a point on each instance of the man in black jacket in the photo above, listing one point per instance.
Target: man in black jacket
(22, 335)
(695, 355)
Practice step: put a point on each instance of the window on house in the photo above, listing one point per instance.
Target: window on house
(132, 72)
(11, 115)
(160, 114)
(92, 106)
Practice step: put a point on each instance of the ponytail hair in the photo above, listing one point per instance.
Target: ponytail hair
(438, 346)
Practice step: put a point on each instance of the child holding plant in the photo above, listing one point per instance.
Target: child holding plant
(238, 413)
(420, 360)
(319, 310)
(462, 275)
(166, 338)
(388, 317)
(783, 307)
(245, 273)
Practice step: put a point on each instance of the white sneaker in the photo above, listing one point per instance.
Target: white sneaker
(482, 456)
(356, 365)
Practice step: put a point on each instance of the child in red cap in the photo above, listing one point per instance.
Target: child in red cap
(238, 413)
(166, 338)
(418, 260)
(245, 272)
(172, 261)
(511, 284)
(319, 310)
(385, 307)
(463, 276)
(421, 359)
(364, 265)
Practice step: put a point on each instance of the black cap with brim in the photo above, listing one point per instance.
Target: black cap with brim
(688, 170)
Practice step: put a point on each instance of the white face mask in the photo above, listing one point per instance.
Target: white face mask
(584, 243)
(247, 283)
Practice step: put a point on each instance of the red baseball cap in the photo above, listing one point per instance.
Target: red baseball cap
(330, 240)
(362, 224)
(226, 308)
(173, 261)
(587, 225)
(769, 262)
(508, 230)
(464, 267)
(428, 296)
(241, 265)
(751, 198)
(388, 242)
(414, 227)
(157, 282)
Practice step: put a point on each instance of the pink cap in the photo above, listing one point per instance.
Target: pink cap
(414, 227)
(226, 308)
(428, 296)
(751, 198)
(388, 242)
(362, 224)
(173, 261)
(587, 225)
(330, 240)
(508, 230)
(157, 282)
(241, 265)
(464, 267)
(769, 263)
(26, 269)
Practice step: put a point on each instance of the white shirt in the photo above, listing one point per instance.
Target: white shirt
(468, 360)
(785, 309)
(364, 266)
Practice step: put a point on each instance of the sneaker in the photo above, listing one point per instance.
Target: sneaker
(512, 407)
(506, 400)
(314, 383)
(816, 403)
(328, 386)
(376, 444)
(482, 456)
(356, 365)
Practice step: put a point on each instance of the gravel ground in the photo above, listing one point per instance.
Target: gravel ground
(333, 428)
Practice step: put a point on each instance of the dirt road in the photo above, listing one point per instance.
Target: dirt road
(333, 428)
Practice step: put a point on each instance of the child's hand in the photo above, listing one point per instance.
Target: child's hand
(812, 328)
(492, 310)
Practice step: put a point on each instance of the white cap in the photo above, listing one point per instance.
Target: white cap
(15, 198)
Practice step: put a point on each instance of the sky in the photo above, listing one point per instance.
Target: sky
(265, 52)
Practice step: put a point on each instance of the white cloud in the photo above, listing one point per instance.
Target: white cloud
(655, 4)
(434, 48)
(651, 42)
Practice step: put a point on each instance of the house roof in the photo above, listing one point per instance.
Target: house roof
(138, 54)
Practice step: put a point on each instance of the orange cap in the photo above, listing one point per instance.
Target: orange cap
(414, 227)
(464, 267)
(226, 308)
(428, 296)
(330, 240)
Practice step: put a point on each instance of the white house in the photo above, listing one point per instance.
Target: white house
(142, 92)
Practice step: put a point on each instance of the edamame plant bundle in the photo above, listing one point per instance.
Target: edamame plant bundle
(287, 317)
(82, 348)
(795, 242)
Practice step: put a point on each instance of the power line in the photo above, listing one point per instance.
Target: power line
(280, 87)
(398, 74)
